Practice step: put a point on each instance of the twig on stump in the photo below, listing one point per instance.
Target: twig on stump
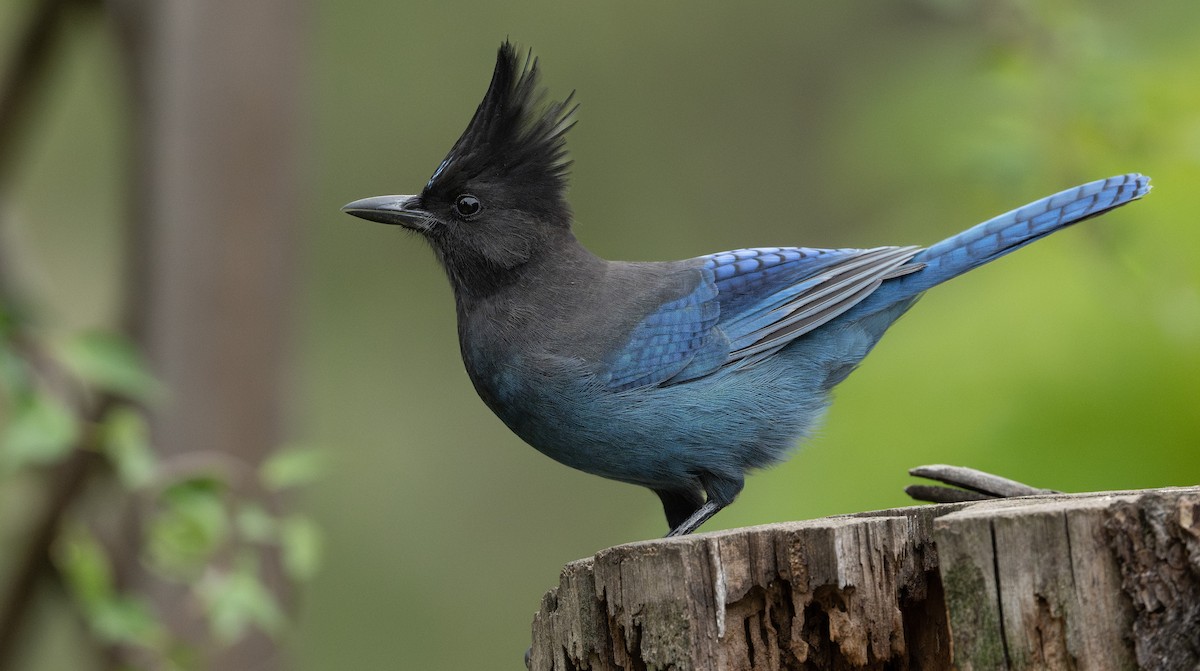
(1106, 580)
(976, 485)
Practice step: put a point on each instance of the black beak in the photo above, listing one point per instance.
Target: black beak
(399, 210)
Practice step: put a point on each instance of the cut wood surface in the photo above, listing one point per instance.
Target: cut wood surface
(1077, 581)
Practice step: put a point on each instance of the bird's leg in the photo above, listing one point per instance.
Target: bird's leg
(721, 491)
(679, 505)
(697, 518)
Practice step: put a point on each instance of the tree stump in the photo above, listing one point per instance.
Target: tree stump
(1085, 581)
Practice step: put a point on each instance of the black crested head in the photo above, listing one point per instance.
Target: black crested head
(514, 140)
(497, 202)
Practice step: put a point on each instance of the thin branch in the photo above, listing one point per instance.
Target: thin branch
(22, 79)
(976, 485)
(25, 72)
(65, 482)
(934, 494)
(68, 480)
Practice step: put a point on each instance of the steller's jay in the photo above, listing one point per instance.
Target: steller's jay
(679, 376)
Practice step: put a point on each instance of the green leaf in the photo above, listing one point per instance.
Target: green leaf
(126, 620)
(89, 578)
(290, 467)
(14, 374)
(300, 540)
(85, 566)
(256, 524)
(11, 317)
(190, 526)
(237, 601)
(125, 439)
(40, 430)
(109, 363)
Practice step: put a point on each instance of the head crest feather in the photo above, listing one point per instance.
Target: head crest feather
(513, 136)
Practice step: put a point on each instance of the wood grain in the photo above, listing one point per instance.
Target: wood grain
(1085, 581)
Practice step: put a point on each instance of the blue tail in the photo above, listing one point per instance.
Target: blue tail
(972, 248)
(998, 236)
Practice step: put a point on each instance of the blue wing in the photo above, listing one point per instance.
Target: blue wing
(747, 305)
(670, 339)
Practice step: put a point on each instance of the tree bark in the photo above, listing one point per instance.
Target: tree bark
(1087, 581)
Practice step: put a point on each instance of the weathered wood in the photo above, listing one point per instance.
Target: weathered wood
(1086, 581)
(1041, 583)
(975, 485)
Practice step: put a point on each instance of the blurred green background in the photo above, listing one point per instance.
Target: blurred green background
(1074, 364)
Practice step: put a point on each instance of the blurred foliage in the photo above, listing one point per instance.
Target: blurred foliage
(237, 600)
(198, 520)
(114, 618)
(38, 430)
(125, 439)
(108, 363)
(1073, 364)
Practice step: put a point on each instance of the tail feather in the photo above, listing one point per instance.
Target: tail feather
(1011, 231)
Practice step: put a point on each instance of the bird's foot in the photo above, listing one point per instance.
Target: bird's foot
(697, 518)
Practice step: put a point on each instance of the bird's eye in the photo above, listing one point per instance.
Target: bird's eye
(467, 205)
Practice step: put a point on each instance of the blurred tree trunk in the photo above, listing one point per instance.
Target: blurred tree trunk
(216, 106)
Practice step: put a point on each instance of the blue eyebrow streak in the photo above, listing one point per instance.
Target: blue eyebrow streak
(437, 172)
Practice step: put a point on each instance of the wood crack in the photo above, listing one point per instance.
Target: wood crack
(1097, 581)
